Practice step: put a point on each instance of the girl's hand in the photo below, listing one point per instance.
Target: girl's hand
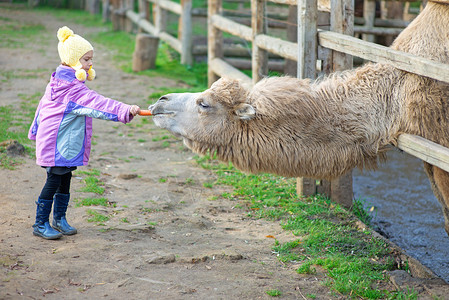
(135, 110)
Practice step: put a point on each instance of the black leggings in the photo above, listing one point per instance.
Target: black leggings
(56, 184)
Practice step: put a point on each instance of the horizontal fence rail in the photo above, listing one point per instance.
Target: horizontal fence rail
(425, 150)
(378, 53)
(232, 27)
(168, 5)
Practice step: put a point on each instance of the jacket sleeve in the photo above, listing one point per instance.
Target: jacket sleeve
(87, 102)
(35, 125)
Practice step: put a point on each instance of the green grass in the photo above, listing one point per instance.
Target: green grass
(358, 209)
(96, 217)
(15, 34)
(93, 185)
(355, 261)
(75, 16)
(274, 293)
(92, 202)
(90, 172)
(160, 138)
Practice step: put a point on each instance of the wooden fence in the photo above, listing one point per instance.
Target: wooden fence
(123, 16)
(314, 45)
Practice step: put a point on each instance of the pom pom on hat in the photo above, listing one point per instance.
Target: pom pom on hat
(80, 74)
(71, 48)
(91, 74)
(64, 33)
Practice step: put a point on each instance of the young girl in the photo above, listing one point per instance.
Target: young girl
(62, 128)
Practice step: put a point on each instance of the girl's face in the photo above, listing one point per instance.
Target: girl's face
(87, 60)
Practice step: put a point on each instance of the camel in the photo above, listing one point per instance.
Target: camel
(323, 128)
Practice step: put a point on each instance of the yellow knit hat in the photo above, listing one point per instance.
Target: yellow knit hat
(71, 48)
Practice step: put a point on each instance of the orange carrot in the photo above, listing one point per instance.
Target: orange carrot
(145, 113)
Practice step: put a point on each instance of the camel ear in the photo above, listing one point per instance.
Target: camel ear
(245, 111)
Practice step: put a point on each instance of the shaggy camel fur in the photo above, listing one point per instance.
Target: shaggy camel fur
(322, 129)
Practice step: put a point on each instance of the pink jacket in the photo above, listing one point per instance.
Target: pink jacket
(62, 125)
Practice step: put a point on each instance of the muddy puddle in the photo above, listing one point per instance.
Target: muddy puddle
(406, 212)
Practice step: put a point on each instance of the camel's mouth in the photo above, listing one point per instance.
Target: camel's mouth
(165, 113)
(158, 110)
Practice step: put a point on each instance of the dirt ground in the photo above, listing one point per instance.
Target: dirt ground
(165, 240)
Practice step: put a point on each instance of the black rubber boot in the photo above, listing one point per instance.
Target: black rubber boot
(61, 201)
(42, 226)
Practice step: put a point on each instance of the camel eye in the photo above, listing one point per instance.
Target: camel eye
(202, 104)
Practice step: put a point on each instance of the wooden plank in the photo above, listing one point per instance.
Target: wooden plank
(168, 5)
(383, 23)
(106, 17)
(186, 37)
(228, 50)
(377, 53)
(160, 18)
(307, 52)
(286, 2)
(223, 69)
(171, 40)
(141, 22)
(214, 39)
(258, 26)
(291, 66)
(128, 24)
(231, 27)
(425, 150)
(306, 57)
(143, 10)
(277, 46)
(245, 64)
(342, 21)
(144, 56)
(377, 30)
(369, 13)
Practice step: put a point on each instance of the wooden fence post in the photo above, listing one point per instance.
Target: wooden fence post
(144, 56)
(307, 57)
(214, 39)
(342, 21)
(105, 14)
(143, 12)
(369, 14)
(116, 15)
(185, 33)
(259, 26)
(93, 6)
(291, 66)
(160, 18)
(128, 25)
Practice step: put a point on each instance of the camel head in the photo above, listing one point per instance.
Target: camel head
(202, 118)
